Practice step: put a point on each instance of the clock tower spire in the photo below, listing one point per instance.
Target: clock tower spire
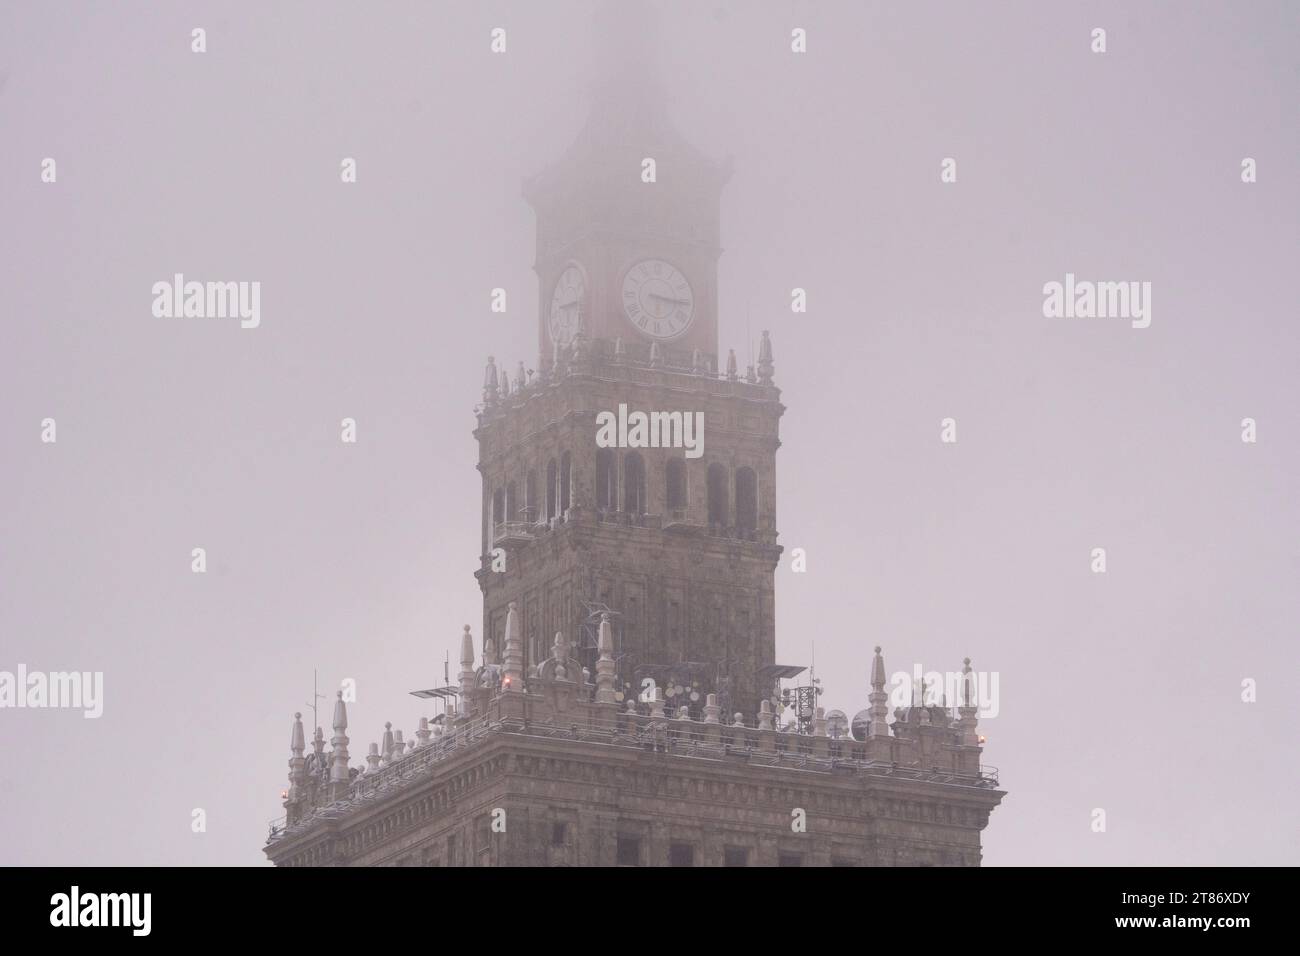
(628, 219)
(671, 547)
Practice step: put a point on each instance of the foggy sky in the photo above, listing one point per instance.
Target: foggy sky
(1118, 691)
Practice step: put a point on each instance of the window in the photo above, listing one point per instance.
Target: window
(634, 483)
(552, 490)
(735, 856)
(681, 854)
(606, 480)
(746, 499)
(512, 502)
(452, 859)
(559, 831)
(531, 511)
(566, 464)
(789, 859)
(718, 495)
(675, 479)
(629, 851)
(498, 514)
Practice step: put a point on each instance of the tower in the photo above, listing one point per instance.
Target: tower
(679, 544)
(621, 710)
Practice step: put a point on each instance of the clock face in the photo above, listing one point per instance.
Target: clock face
(657, 299)
(570, 293)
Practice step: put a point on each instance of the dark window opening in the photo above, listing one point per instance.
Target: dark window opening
(629, 851)
(559, 831)
(676, 482)
(718, 510)
(681, 854)
(789, 859)
(746, 499)
(552, 490)
(566, 463)
(498, 506)
(531, 511)
(735, 856)
(606, 480)
(634, 484)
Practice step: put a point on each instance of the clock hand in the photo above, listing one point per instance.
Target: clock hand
(664, 298)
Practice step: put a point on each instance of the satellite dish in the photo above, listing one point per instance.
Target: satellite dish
(861, 725)
(837, 724)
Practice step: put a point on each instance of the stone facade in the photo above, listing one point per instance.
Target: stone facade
(685, 588)
(548, 777)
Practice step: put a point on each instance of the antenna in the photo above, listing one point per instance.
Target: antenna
(315, 696)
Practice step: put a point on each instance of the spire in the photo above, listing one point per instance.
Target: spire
(424, 733)
(654, 355)
(466, 651)
(297, 763)
(605, 667)
(318, 744)
(490, 382)
(968, 707)
(819, 722)
(560, 651)
(765, 715)
(339, 761)
(399, 745)
(712, 712)
(731, 365)
(297, 745)
(521, 378)
(386, 747)
(372, 759)
(879, 699)
(513, 667)
(765, 366)
(467, 679)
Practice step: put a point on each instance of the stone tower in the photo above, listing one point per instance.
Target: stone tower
(622, 710)
(678, 544)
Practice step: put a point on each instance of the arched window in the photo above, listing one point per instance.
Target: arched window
(675, 479)
(512, 502)
(531, 511)
(606, 479)
(718, 510)
(746, 499)
(566, 466)
(634, 483)
(499, 506)
(552, 490)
